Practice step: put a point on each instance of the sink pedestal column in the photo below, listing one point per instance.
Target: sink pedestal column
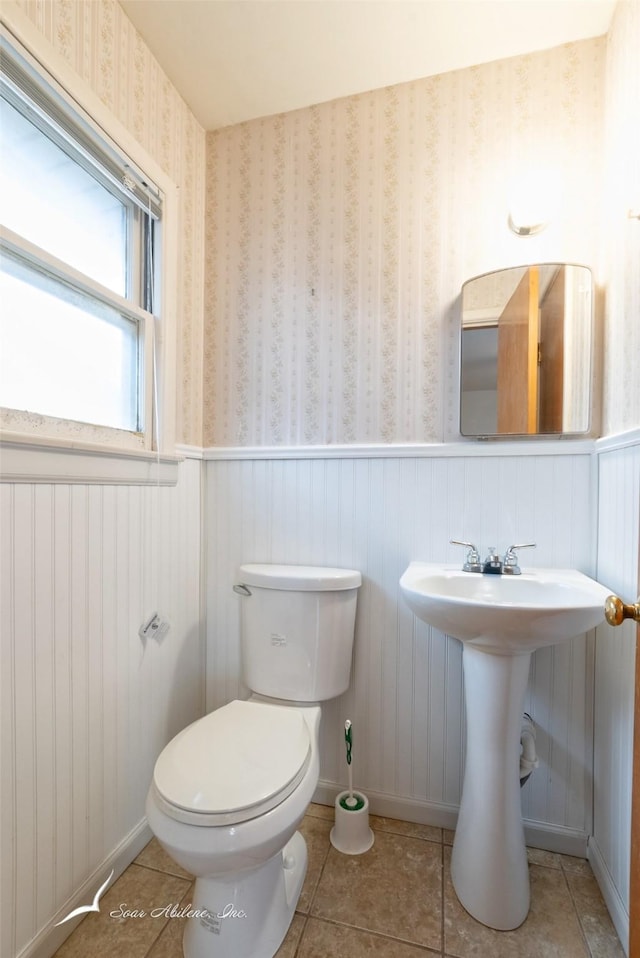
(489, 862)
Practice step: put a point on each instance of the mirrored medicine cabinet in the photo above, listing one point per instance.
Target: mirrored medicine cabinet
(526, 352)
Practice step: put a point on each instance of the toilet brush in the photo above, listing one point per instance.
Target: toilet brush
(351, 802)
(351, 833)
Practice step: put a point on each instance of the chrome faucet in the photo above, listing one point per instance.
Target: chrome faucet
(472, 561)
(493, 564)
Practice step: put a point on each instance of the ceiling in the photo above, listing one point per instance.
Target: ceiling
(235, 60)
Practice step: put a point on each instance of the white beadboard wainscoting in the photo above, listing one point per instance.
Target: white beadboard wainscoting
(87, 707)
(376, 513)
(86, 704)
(618, 544)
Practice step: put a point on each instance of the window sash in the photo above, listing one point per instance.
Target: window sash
(66, 353)
(54, 201)
(19, 248)
(33, 258)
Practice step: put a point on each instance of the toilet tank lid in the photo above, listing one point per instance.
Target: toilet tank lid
(299, 578)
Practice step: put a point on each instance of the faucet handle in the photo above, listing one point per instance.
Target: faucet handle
(510, 566)
(472, 561)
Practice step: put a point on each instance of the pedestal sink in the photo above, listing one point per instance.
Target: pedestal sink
(500, 620)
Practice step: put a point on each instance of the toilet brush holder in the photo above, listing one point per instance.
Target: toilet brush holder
(351, 834)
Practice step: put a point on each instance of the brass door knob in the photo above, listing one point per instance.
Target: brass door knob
(615, 610)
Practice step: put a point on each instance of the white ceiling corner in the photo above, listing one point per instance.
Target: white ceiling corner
(234, 60)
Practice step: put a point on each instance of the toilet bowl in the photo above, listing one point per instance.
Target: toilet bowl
(249, 873)
(229, 791)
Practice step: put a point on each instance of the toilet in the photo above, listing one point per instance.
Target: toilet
(229, 791)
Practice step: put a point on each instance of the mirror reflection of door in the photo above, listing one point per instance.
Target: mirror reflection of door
(518, 358)
(526, 351)
(551, 355)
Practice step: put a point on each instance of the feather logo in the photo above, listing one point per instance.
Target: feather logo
(94, 906)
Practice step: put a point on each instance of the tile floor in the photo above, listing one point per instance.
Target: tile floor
(395, 901)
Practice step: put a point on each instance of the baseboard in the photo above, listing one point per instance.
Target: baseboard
(617, 909)
(551, 838)
(50, 938)
(556, 838)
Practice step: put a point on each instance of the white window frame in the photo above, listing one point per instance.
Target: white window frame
(25, 437)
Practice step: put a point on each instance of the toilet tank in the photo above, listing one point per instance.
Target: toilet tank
(297, 628)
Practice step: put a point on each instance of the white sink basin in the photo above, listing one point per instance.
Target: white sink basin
(504, 612)
(501, 621)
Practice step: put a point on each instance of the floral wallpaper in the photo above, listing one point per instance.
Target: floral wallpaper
(338, 238)
(102, 45)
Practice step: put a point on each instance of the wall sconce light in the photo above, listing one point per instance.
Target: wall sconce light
(522, 230)
(533, 200)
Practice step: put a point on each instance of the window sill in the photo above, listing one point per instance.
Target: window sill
(31, 459)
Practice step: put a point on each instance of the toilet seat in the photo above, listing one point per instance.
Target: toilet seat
(234, 764)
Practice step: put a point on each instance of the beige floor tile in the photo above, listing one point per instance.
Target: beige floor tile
(114, 936)
(322, 939)
(321, 811)
(577, 866)
(551, 929)
(593, 916)
(288, 948)
(315, 832)
(387, 903)
(395, 888)
(538, 856)
(153, 855)
(169, 942)
(411, 829)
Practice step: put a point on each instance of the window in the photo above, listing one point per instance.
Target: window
(80, 247)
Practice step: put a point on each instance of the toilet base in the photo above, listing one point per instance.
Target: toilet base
(247, 914)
